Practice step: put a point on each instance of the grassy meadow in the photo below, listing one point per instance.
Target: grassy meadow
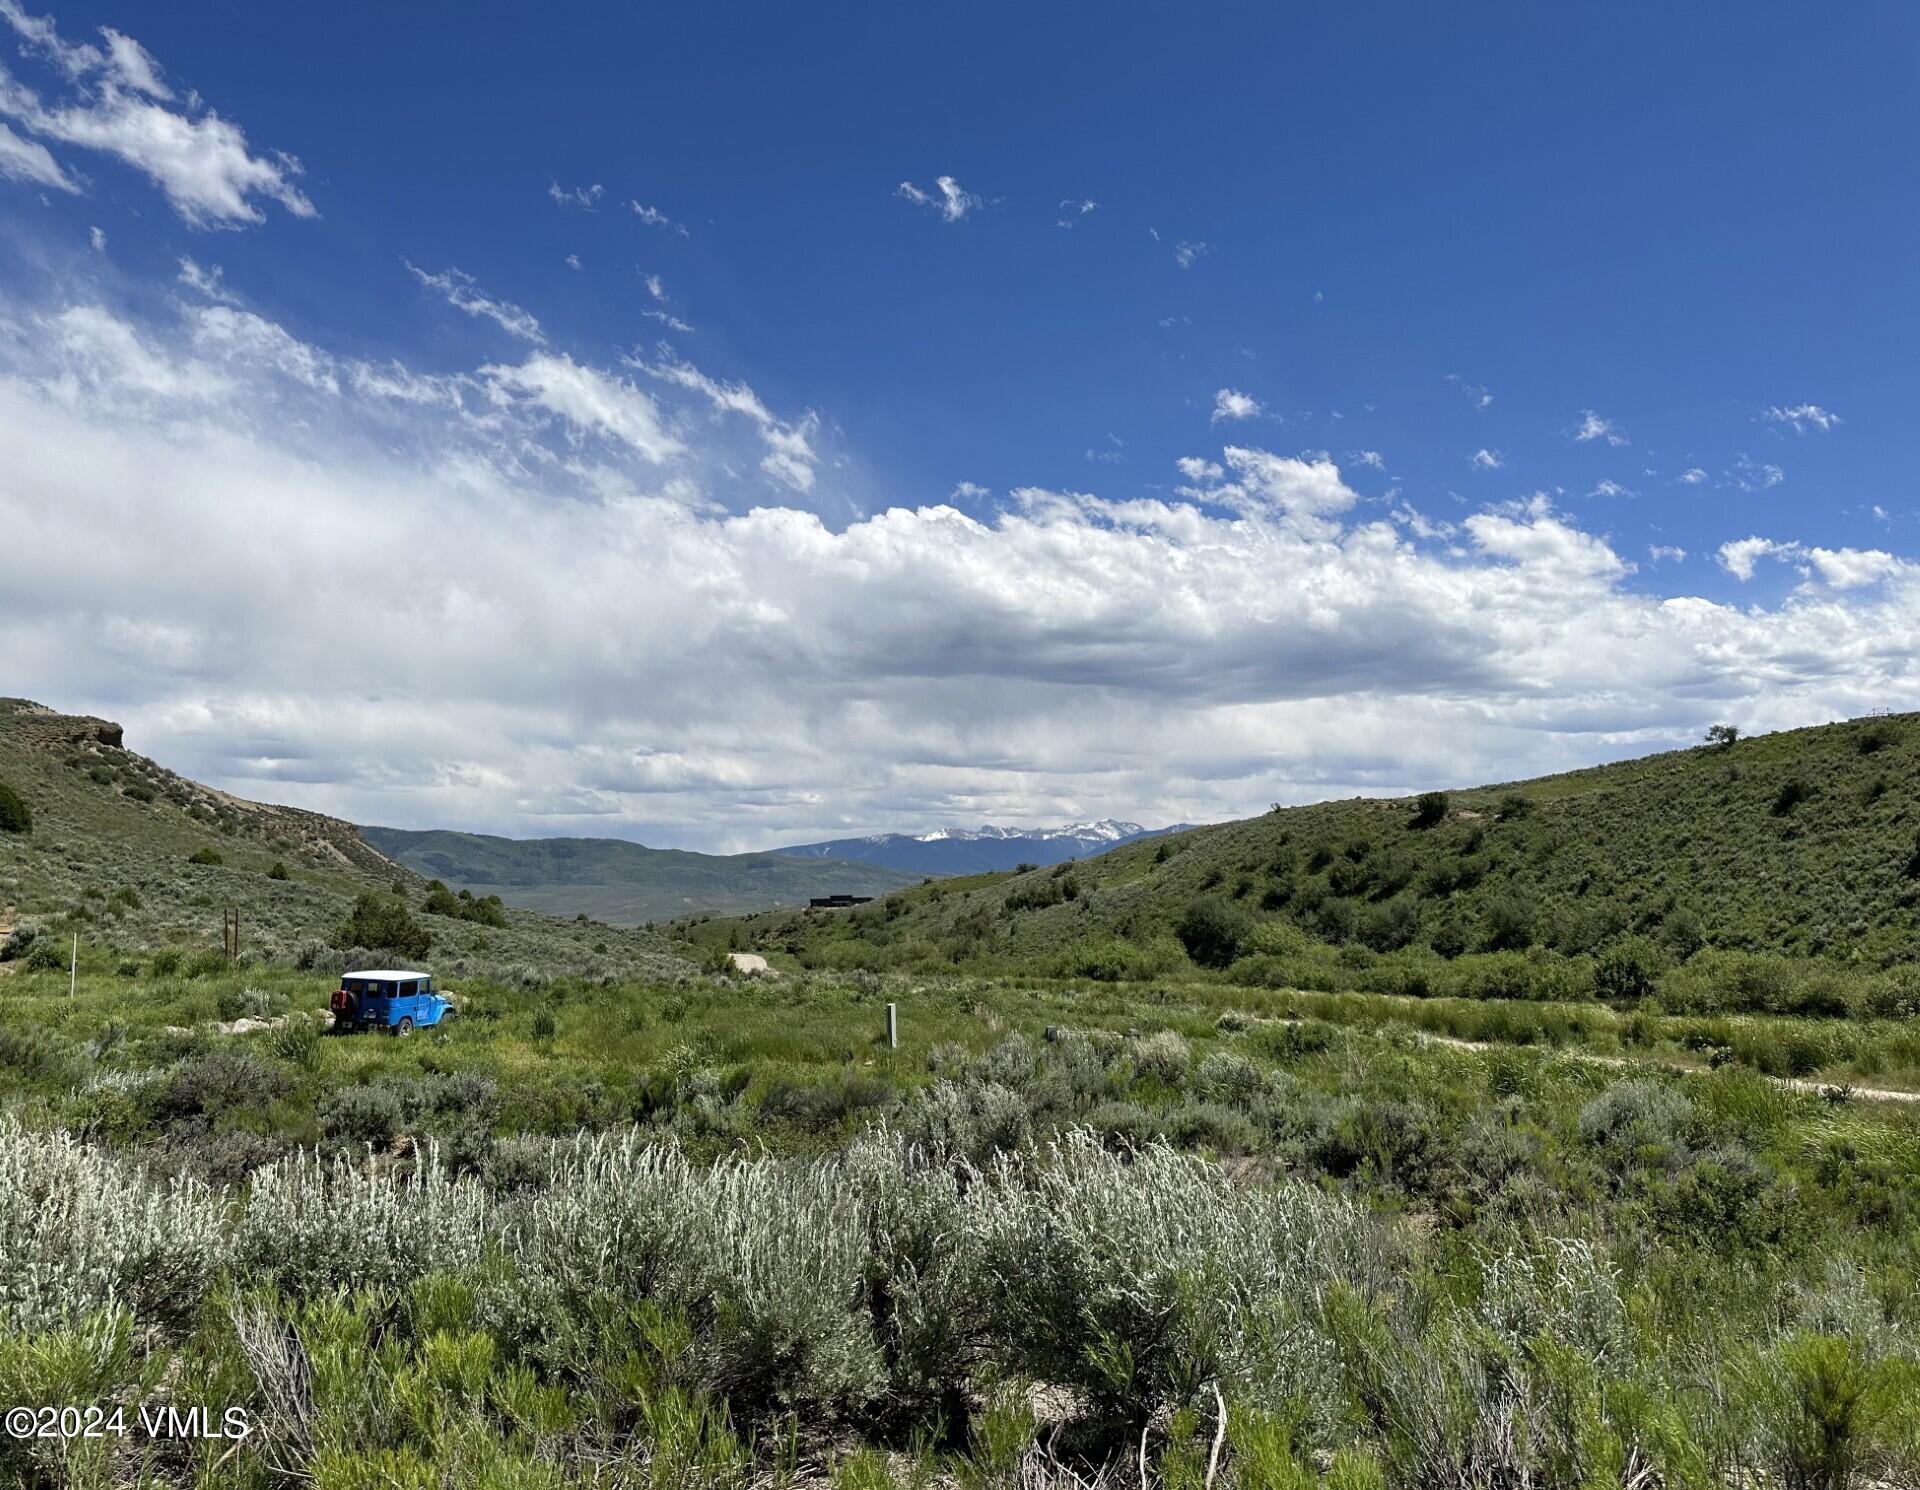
(1168, 1182)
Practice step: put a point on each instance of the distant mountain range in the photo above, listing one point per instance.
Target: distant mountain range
(622, 883)
(947, 851)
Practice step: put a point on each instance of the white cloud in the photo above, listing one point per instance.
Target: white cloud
(1594, 427)
(1186, 255)
(653, 217)
(1663, 552)
(1369, 458)
(1752, 475)
(1608, 488)
(1486, 460)
(668, 319)
(790, 457)
(98, 238)
(29, 160)
(947, 198)
(586, 198)
(1476, 394)
(1739, 557)
(207, 282)
(655, 287)
(1692, 476)
(1852, 568)
(1804, 417)
(1072, 211)
(1231, 403)
(119, 106)
(573, 261)
(463, 293)
(605, 649)
(969, 491)
(589, 401)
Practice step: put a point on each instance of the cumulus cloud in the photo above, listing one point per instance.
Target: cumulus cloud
(1486, 460)
(947, 198)
(1692, 476)
(1804, 417)
(1593, 427)
(1231, 403)
(1609, 488)
(462, 293)
(598, 647)
(115, 103)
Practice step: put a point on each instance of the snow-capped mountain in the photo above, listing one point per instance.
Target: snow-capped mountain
(976, 850)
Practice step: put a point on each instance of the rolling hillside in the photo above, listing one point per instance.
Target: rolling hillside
(1801, 844)
(625, 883)
(133, 856)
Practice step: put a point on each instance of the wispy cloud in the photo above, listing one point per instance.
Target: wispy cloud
(573, 261)
(1593, 426)
(653, 217)
(1804, 417)
(1749, 474)
(1608, 488)
(790, 457)
(1071, 211)
(1692, 476)
(117, 104)
(462, 293)
(586, 198)
(1231, 403)
(209, 282)
(1662, 553)
(1370, 458)
(29, 160)
(1476, 393)
(1187, 254)
(1484, 459)
(948, 198)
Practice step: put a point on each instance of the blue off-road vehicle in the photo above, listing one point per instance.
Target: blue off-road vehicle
(382, 999)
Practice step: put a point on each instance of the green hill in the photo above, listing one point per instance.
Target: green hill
(625, 883)
(132, 856)
(1798, 847)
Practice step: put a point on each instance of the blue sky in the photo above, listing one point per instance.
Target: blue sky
(1590, 324)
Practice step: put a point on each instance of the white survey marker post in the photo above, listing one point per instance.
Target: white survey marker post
(893, 1026)
(73, 973)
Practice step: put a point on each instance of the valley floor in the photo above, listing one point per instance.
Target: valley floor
(717, 1232)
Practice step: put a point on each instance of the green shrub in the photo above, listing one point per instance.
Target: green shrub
(15, 816)
(206, 856)
(1430, 809)
(1213, 930)
(279, 871)
(381, 922)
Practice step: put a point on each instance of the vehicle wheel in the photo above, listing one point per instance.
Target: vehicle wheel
(404, 1027)
(446, 1015)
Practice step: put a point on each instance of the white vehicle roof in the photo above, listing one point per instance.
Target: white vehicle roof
(385, 975)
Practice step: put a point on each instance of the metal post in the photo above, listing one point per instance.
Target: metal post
(73, 976)
(893, 1026)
